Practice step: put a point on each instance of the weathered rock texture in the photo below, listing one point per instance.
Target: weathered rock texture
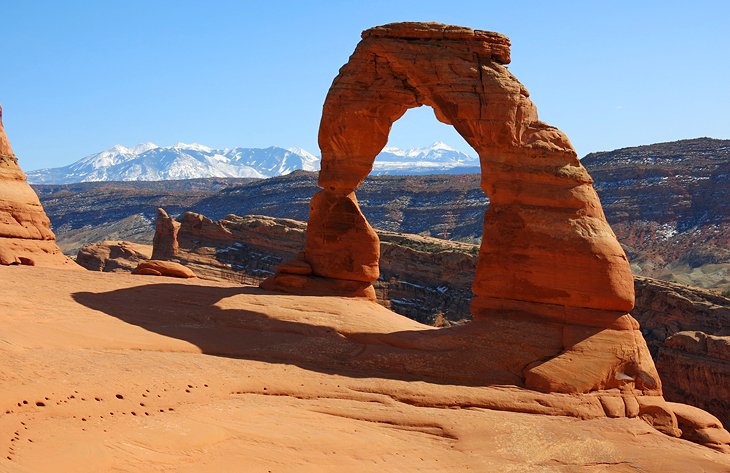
(669, 203)
(113, 256)
(547, 254)
(164, 243)
(163, 268)
(700, 427)
(277, 382)
(688, 333)
(25, 231)
(421, 277)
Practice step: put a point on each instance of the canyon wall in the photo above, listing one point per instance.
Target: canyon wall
(688, 333)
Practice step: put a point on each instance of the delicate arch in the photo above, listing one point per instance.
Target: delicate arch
(549, 263)
(545, 241)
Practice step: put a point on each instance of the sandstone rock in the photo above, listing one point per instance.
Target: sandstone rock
(422, 276)
(669, 203)
(688, 332)
(147, 272)
(340, 243)
(25, 231)
(547, 252)
(699, 366)
(297, 266)
(544, 211)
(701, 427)
(352, 379)
(309, 285)
(164, 268)
(112, 256)
(165, 245)
(201, 228)
(655, 411)
(429, 263)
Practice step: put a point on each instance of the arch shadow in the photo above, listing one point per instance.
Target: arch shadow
(482, 353)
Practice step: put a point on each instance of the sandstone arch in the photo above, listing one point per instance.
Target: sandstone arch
(546, 240)
(549, 262)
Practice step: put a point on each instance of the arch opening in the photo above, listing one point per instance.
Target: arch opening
(418, 205)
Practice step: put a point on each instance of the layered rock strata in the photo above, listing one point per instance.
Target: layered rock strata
(25, 231)
(113, 256)
(423, 278)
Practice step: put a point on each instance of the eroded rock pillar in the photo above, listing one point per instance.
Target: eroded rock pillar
(164, 244)
(341, 252)
(340, 243)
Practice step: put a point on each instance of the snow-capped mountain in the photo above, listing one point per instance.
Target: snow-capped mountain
(150, 162)
(435, 159)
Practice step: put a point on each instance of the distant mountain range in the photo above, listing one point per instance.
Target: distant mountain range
(150, 162)
(439, 158)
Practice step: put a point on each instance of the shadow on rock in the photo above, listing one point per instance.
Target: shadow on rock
(488, 352)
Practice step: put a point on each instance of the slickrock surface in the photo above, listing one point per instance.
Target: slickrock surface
(111, 256)
(424, 277)
(25, 231)
(547, 252)
(113, 372)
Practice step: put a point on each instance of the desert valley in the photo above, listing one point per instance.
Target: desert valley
(187, 308)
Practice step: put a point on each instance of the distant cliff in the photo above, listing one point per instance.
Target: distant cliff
(423, 278)
(669, 204)
(688, 333)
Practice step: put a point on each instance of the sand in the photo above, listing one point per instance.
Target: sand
(114, 372)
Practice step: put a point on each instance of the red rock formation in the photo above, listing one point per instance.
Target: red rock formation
(544, 212)
(700, 427)
(688, 332)
(165, 245)
(113, 256)
(25, 231)
(549, 262)
(248, 248)
(163, 268)
(547, 249)
(694, 367)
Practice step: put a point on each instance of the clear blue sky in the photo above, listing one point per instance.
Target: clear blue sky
(79, 76)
